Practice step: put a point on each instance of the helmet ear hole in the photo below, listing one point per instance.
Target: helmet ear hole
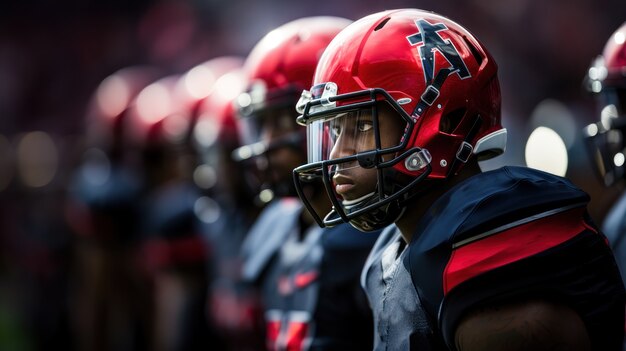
(477, 55)
(450, 121)
(382, 24)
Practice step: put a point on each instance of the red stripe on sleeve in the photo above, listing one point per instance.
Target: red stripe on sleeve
(511, 245)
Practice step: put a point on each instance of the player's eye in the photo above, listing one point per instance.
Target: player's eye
(365, 126)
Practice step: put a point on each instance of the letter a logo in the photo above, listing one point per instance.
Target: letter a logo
(430, 41)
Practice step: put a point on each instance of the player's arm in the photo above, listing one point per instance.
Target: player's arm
(531, 325)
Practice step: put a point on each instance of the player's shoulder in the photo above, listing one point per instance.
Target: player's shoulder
(283, 207)
(268, 232)
(494, 214)
(492, 199)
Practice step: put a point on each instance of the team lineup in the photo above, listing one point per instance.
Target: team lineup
(325, 192)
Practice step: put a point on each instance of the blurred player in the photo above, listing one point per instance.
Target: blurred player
(403, 105)
(308, 276)
(226, 213)
(174, 251)
(111, 300)
(607, 81)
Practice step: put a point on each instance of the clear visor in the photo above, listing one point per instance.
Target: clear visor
(347, 134)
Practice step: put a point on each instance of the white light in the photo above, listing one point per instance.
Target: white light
(206, 131)
(557, 116)
(207, 210)
(596, 86)
(593, 73)
(199, 82)
(266, 195)
(607, 114)
(546, 151)
(619, 38)
(591, 130)
(618, 159)
(204, 176)
(244, 100)
(229, 85)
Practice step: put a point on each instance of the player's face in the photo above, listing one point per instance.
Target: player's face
(277, 129)
(353, 133)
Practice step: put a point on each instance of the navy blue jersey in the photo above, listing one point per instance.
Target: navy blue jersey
(508, 235)
(265, 237)
(108, 200)
(310, 281)
(171, 228)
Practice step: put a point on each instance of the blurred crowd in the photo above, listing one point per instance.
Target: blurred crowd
(118, 153)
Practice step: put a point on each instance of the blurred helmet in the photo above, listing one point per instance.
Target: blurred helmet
(436, 81)
(107, 114)
(163, 114)
(216, 135)
(282, 63)
(606, 80)
(167, 109)
(278, 68)
(217, 122)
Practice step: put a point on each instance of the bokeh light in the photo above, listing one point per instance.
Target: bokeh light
(37, 159)
(546, 151)
(555, 115)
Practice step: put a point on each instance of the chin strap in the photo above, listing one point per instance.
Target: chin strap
(465, 149)
(431, 93)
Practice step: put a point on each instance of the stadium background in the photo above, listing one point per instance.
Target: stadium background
(53, 54)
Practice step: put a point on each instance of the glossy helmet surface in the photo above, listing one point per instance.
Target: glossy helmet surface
(277, 69)
(282, 63)
(606, 80)
(439, 81)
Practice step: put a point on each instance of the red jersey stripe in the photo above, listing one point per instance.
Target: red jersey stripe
(511, 245)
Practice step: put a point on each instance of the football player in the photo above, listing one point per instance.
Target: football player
(103, 210)
(226, 212)
(403, 105)
(174, 251)
(308, 277)
(606, 80)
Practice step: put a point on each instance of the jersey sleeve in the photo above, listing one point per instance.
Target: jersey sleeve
(560, 257)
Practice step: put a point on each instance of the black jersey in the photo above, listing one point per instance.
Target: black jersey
(505, 235)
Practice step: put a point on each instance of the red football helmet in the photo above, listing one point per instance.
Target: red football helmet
(436, 81)
(108, 111)
(606, 79)
(216, 135)
(282, 63)
(278, 68)
(167, 109)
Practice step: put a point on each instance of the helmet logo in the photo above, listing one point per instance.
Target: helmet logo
(431, 41)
